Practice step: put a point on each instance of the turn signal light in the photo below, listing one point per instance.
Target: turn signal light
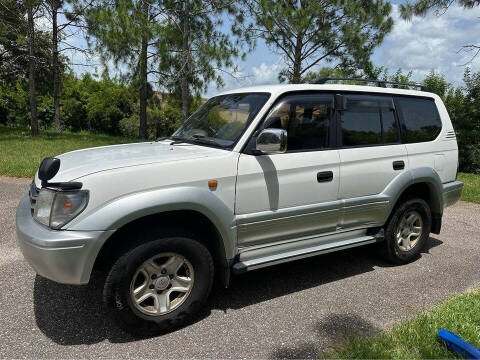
(212, 184)
(67, 204)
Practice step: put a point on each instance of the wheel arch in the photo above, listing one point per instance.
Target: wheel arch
(172, 223)
(183, 207)
(423, 183)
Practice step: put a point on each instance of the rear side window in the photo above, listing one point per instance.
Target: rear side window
(368, 120)
(420, 119)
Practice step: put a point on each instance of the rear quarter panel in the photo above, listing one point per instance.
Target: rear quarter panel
(440, 154)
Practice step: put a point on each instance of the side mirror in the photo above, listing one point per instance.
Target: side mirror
(272, 141)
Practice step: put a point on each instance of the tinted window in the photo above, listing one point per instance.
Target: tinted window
(368, 120)
(306, 117)
(420, 118)
(361, 124)
(390, 129)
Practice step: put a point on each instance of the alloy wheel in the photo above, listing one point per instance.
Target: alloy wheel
(162, 283)
(409, 230)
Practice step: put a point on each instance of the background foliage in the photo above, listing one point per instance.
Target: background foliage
(110, 106)
(182, 46)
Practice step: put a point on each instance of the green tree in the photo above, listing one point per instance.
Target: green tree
(307, 32)
(422, 7)
(196, 50)
(67, 19)
(25, 53)
(18, 47)
(436, 83)
(131, 34)
(463, 105)
(13, 40)
(398, 76)
(327, 72)
(469, 123)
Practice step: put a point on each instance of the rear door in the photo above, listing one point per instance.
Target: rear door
(294, 194)
(371, 156)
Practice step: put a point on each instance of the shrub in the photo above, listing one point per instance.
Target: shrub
(130, 126)
(107, 107)
(14, 108)
(74, 115)
(46, 111)
(161, 121)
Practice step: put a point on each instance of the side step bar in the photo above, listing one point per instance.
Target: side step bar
(247, 265)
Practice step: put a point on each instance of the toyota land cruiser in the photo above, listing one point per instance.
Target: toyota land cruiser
(255, 177)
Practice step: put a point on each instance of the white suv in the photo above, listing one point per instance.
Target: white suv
(255, 177)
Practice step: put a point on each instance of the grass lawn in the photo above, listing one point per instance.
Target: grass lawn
(471, 187)
(21, 154)
(417, 338)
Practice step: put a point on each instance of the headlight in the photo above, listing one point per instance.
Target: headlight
(56, 208)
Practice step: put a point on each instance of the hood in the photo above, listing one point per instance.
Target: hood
(79, 163)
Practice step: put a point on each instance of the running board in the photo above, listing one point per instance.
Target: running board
(247, 265)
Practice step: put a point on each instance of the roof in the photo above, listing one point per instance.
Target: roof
(278, 89)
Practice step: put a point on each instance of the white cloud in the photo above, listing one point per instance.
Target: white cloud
(433, 42)
(264, 74)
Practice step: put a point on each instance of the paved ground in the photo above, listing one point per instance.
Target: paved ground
(291, 310)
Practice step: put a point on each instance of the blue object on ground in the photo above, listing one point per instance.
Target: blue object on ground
(458, 345)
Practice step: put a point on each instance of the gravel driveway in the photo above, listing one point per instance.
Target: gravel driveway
(291, 310)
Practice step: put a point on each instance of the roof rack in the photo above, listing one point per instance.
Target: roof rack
(380, 83)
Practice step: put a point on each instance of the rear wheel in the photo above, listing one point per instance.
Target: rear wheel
(159, 285)
(407, 232)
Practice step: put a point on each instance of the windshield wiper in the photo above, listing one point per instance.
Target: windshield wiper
(202, 140)
(177, 140)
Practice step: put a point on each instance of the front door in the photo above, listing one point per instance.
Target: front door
(294, 194)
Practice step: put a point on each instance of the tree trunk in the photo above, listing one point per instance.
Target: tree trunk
(185, 61)
(31, 72)
(297, 65)
(143, 78)
(56, 70)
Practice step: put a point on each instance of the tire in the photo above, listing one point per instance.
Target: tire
(130, 272)
(397, 240)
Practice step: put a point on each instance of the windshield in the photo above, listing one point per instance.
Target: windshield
(221, 120)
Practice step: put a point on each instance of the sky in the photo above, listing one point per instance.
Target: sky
(433, 42)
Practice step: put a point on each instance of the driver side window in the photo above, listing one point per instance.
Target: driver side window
(307, 119)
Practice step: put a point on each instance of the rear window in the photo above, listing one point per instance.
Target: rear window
(420, 119)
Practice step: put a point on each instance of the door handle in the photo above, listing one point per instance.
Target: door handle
(325, 176)
(398, 165)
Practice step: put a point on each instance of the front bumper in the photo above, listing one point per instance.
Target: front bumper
(452, 192)
(60, 255)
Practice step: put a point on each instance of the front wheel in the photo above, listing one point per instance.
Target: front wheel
(159, 285)
(407, 232)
